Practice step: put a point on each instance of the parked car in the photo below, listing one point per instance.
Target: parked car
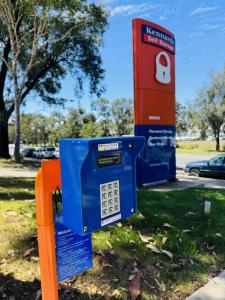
(27, 152)
(215, 167)
(45, 152)
(56, 153)
(37, 152)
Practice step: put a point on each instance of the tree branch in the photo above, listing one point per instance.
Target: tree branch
(32, 83)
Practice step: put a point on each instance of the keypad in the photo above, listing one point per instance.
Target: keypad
(110, 198)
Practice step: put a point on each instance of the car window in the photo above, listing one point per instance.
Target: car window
(219, 160)
(51, 149)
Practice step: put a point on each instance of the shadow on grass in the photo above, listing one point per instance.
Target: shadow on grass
(16, 188)
(12, 288)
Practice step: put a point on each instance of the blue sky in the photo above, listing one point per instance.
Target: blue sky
(199, 28)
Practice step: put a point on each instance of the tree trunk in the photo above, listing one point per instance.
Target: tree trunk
(17, 129)
(217, 143)
(4, 137)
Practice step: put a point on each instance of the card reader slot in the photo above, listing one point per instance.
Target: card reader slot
(109, 159)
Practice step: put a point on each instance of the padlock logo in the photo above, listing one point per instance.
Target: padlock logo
(163, 72)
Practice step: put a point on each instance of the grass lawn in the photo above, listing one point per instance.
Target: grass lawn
(170, 245)
(10, 163)
(196, 147)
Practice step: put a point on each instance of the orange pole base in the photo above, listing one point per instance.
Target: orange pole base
(47, 181)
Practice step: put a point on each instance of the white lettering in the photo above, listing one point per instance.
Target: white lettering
(154, 118)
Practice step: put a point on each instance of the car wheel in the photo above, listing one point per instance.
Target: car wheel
(194, 172)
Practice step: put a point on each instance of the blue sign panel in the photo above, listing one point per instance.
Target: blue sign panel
(73, 252)
(159, 38)
(158, 160)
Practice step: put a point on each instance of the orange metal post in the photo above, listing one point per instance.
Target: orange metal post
(47, 180)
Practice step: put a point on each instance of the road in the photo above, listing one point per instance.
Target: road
(183, 158)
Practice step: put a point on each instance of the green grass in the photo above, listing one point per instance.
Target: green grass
(199, 147)
(196, 241)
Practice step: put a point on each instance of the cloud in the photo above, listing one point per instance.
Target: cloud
(197, 34)
(132, 9)
(202, 10)
(161, 18)
(207, 26)
(106, 1)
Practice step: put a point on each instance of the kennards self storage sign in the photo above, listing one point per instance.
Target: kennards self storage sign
(154, 93)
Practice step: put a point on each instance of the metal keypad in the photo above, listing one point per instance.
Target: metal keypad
(110, 198)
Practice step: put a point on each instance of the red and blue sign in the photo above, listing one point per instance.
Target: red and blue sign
(154, 100)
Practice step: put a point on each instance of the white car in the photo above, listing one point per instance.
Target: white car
(56, 153)
(38, 153)
(45, 152)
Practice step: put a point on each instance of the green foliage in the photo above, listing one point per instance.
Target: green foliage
(55, 122)
(103, 112)
(91, 130)
(210, 105)
(122, 115)
(45, 41)
(35, 129)
(73, 123)
(182, 119)
(112, 118)
(70, 41)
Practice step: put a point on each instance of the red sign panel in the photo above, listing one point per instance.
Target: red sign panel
(154, 74)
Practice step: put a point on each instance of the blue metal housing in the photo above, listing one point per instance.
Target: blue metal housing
(94, 174)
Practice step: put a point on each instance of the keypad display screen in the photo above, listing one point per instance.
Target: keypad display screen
(110, 198)
(104, 160)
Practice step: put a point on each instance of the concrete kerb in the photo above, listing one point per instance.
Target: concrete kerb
(213, 290)
(184, 182)
(180, 184)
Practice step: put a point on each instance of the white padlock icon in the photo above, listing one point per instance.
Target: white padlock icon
(163, 72)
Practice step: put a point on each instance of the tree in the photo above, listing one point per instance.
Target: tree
(197, 124)
(103, 109)
(40, 129)
(73, 123)
(55, 122)
(41, 42)
(91, 130)
(35, 129)
(210, 104)
(181, 118)
(89, 118)
(122, 114)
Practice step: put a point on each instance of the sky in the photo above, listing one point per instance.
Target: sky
(199, 28)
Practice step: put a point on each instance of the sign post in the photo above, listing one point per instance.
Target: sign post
(47, 181)
(154, 100)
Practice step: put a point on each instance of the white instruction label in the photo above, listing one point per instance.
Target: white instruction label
(105, 147)
(111, 220)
